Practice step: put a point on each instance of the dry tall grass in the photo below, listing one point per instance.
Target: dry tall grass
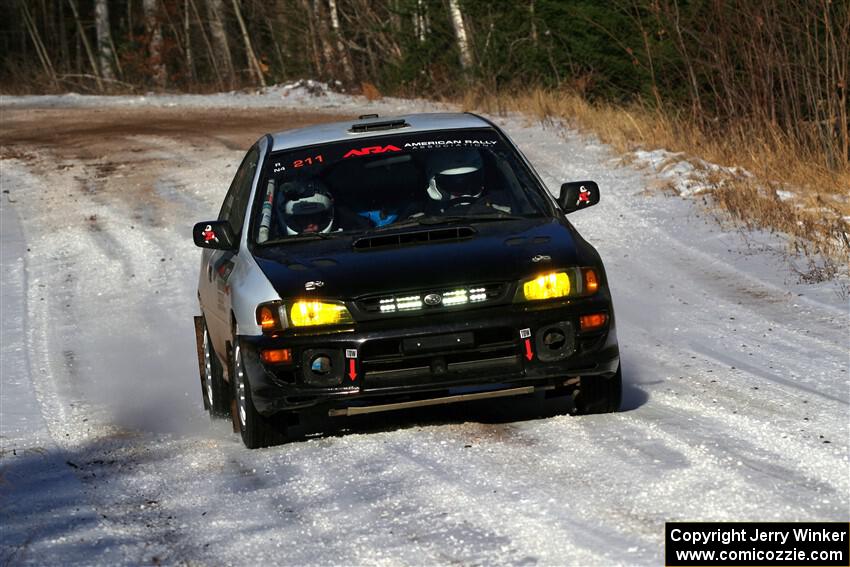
(814, 221)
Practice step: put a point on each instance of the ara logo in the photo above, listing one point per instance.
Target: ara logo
(371, 150)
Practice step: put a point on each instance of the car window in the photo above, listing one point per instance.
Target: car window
(233, 209)
(371, 183)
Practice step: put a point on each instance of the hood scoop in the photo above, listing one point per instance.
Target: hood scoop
(413, 238)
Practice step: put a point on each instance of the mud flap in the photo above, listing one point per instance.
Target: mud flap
(199, 341)
(234, 415)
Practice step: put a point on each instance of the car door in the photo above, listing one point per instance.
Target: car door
(218, 264)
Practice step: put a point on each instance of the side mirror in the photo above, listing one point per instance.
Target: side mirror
(578, 195)
(213, 234)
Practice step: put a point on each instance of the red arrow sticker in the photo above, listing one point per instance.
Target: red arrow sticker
(352, 372)
(528, 354)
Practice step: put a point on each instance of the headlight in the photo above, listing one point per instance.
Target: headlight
(547, 286)
(314, 313)
(571, 282)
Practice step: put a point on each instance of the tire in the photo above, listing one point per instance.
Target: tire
(256, 430)
(597, 394)
(216, 393)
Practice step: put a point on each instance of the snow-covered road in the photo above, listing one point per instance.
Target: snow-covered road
(737, 401)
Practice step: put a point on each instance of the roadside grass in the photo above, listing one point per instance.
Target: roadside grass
(815, 216)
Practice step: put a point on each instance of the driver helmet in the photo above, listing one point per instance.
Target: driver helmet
(306, 207)
(455, 173)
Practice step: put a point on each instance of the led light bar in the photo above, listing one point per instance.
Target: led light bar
(455, 297)
(458, 296)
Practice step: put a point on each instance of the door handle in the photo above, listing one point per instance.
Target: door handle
(209, 272)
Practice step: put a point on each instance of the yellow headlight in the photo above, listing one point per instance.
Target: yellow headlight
(312, 313)
(547, 286)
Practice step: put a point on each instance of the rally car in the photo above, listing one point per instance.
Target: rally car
(382, 264)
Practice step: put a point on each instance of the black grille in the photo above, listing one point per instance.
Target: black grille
(386, 363)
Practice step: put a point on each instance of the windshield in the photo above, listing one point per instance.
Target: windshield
(378, 183)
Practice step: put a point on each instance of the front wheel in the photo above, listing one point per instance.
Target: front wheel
(597, 394)
(256, 430)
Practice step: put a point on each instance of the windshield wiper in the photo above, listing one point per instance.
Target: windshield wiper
(414, 221)
(481, 217)
(297, 238)
(432, 220)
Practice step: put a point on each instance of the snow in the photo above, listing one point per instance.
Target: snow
(686, 176)
(736, 387)
(297, 95)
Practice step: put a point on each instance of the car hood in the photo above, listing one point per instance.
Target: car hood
(499, 252)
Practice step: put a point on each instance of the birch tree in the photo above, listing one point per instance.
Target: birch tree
(215, 11)
(253, 62)
(344, 56)
(104, 39)
(81, 34)
(460, 35)
(324, 35)
(420, 21)
(154, 31)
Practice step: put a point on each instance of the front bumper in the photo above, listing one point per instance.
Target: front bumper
(422, 357)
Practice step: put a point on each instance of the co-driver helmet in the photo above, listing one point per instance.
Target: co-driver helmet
(306, 207)
(455, 174)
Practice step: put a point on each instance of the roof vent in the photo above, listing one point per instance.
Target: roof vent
(382, 125)
(413, 238)
(366, 116)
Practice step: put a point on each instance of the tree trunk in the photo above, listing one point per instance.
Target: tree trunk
(696, 103)
(210, 51)
(311, 34)
(86, 45)
(104, 39)
(40, 50)
(187, 33)
(276, 23)
(461, 35)
(342, 50)
(418, 22)
(154, 31)
(533, 21)
(215, 9)
(63, 37)
(324, 36)
(253, 63)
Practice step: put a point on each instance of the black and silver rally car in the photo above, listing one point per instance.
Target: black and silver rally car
(383, 264)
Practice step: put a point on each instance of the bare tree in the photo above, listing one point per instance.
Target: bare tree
(41, 51)
(154, 30)
(460, 35)
(104, 39)
(215, 11)
(324, 36)
(253, 62)
(341, 49)
(81, 34)
(533, 21)
(419, 27)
